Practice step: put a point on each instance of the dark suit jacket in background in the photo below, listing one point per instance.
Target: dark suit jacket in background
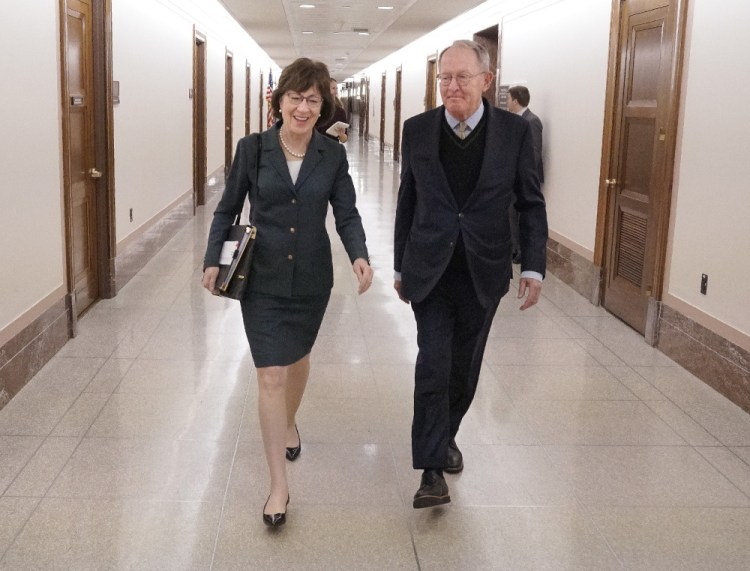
(428, 219)
(536, 136)
(338, 115)
(292, 249)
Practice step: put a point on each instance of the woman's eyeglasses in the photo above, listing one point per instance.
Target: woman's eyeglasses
(313, 101)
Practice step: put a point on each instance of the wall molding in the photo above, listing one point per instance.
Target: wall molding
(707, 350)
(712, 358)
(28, 351)
(573, 269)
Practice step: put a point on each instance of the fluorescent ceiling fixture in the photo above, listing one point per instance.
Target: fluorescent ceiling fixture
(385, 7)
(364, 33)
(306, 32)
(307, 5)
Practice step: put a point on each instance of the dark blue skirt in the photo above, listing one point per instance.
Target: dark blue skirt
(282, 330)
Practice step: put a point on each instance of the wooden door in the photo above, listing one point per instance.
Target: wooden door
(489, 38)
(397, 117)
(261, 99)
(247, 97)
(228, 111)
(79, 155)
(364, 118)
(639, 175)
(199, 120)
(430, 88)
(382, 113)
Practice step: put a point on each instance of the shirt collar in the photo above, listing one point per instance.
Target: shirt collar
(522, 110)
(472, 121)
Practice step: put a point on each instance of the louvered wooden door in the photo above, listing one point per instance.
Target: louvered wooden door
(639, 176)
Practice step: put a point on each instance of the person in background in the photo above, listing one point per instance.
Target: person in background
(461, 165)
(299, 174)
(518, 103)
(338, 115)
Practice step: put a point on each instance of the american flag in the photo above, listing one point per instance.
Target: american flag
(269, 90)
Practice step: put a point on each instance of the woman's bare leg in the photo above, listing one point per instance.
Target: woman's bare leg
(298, 374)
(272, 411)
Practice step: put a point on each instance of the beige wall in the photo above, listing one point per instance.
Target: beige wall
(711, 201)
(567, 79)
(31, 231)
(152, 60)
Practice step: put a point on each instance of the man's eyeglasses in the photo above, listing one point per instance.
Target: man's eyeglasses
(462, 79)
(313, 101)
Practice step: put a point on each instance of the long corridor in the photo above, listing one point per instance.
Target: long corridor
(138, 445)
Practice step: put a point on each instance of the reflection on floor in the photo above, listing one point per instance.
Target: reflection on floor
(138, 447)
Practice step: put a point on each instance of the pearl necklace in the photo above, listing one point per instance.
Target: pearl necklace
(288, 150)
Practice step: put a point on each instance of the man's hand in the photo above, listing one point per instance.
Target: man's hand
(397, 287)
(531, 289)
(364, 274)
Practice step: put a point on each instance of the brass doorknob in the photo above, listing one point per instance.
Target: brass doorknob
(93, 173)
(611, 181)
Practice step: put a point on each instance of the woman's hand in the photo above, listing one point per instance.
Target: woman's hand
(364, 274)
(209, 279)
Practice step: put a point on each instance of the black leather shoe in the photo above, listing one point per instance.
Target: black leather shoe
(293, 453)
(274, 520)
(433, 491)
(455, 458)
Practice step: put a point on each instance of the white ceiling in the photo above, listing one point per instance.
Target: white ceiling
(278, 26)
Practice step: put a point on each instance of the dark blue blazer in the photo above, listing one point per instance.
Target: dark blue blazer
(428, 219)
(536, 137)
(292, 248)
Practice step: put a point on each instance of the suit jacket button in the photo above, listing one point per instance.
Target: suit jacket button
(292, 230)
(460, 214)
(290, 257)
(450, 245)
(294, 201)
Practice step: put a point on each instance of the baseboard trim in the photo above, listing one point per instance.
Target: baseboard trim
(715, 360)
(26, 353)
(573, 269)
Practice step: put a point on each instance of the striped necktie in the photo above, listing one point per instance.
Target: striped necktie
(461, 130)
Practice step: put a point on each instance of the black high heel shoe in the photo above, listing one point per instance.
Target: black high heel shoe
(274, 520)
(292, 453)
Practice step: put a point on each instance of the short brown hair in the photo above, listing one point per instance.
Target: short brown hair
(301, 75)
(520, 94)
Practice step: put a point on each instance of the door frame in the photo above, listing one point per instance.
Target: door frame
(430, 87)
(248, 76)
(228, 108)
(382, 111)
(200, 113)
(490, 39)
(397, 116)
(103, 147)
(604, 229)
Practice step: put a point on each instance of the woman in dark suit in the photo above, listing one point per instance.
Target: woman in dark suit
(299, 174)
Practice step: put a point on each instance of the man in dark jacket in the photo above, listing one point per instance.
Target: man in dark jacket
(461, 165)
(518, 103)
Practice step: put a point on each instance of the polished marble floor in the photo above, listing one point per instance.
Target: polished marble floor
(138, 447)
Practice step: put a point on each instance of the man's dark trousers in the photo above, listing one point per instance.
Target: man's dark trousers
(452, 330)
